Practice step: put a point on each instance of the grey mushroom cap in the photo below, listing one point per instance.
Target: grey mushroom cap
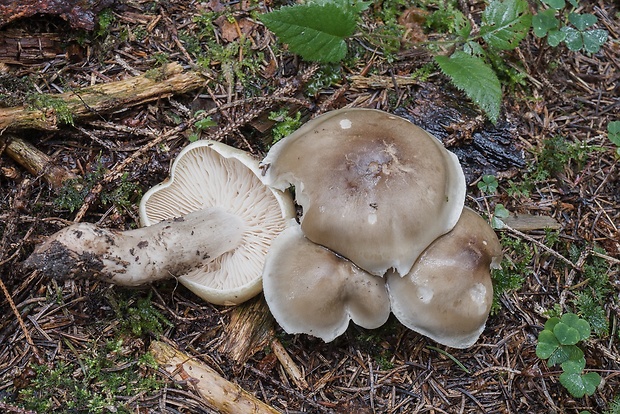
(209, 174)
(374, 187)
(448, 294)
(311, 290)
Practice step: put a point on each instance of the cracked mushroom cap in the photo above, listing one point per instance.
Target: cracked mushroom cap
(374, 187)
(311, 290)
(211, 174)
(448, 294)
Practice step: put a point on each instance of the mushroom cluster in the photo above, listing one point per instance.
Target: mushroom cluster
(383, 228)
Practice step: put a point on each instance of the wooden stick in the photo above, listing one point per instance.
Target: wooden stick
(221, 394)
(105, 98)
(35, 161)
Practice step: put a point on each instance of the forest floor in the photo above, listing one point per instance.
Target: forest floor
(83, 346)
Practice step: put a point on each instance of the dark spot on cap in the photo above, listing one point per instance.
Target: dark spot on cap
(143, 244)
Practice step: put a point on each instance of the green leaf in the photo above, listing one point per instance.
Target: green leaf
(551, 322)
(547, 344)
(555, 37)
(581, 325)
(573, 38)
(566, 335)
(579, 385)
(582, 21)
(543, 22)
(474, 77)
(565, 353)
(594, 39)
(488, 184)
(505, 23)
(574, 367)
(613, 132)
(556, 4)
(574, 3)
(315, 31)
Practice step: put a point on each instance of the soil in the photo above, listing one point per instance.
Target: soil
(554, 121)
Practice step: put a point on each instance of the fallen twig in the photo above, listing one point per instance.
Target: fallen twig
(223, 395)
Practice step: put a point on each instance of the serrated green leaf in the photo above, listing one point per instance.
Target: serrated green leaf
(556, 4)
(594, 39)
(543, 22)
(474, 77)
(582, 21)
(505, 23)
(555, 37)
(314, 31)
(613, 132)
(547, 344)
(573, 38)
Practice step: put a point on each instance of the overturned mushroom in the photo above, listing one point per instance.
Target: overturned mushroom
(374, 188)
(311, 290)
(448, 294)
(212, 224)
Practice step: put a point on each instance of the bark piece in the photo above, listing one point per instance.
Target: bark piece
(79, 13)
(221, 394)
(105, 98)
(250, 329)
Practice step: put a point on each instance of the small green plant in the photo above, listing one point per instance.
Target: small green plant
(488, 184)
(105, 19)
(614, 407)
(515, 267)
(285, 125)
(101, 380)
(138, 316)
(72, 194)
(46, 102)
(499, 214)
(557, 343)
(574, 29)
(203, 123)
(613, 133)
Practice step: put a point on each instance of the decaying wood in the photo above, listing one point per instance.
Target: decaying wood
(106, 98)
(79, 13)
(221, 394)
(529, 222)
(35, 161)
(18, 47)
(381, 82)
(250, 329)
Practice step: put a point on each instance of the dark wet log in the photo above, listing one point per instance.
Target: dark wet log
(100, 99)
(221, 394)
(79, 13)
(482, 148)
(35, 161)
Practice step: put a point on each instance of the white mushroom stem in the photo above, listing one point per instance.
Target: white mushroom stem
(135, 257)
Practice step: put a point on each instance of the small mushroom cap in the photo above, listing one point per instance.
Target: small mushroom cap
(374, 187)
(311, 290)
(212, 174)
(448, 294)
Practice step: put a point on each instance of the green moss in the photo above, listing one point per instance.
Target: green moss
(46, 102)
